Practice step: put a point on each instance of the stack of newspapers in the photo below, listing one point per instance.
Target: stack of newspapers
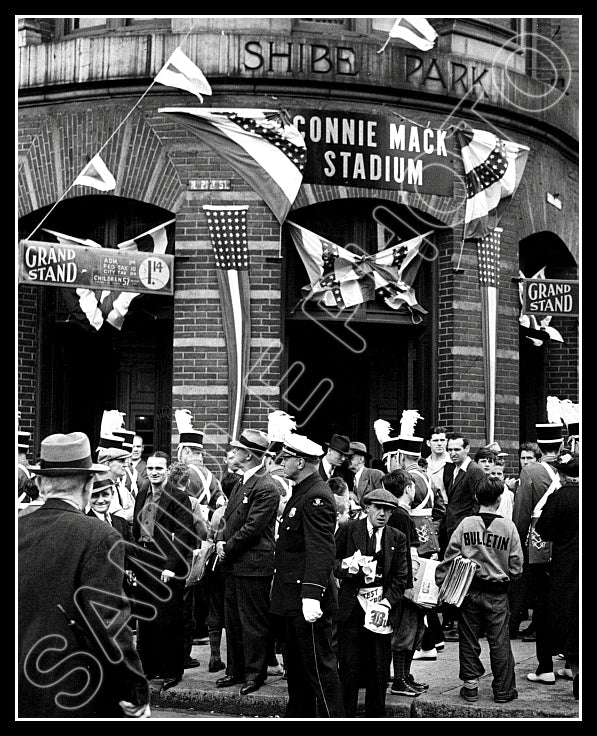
(457, 581)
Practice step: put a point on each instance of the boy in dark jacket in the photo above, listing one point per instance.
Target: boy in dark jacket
(493, 543)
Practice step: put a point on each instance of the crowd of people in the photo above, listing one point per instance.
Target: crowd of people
(307, 564)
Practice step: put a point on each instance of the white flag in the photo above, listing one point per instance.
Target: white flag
(179, 71)
(414, 29)
(97, 175)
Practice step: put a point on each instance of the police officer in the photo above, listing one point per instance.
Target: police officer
(304, 592)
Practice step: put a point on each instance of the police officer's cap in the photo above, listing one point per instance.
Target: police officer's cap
(297, 445)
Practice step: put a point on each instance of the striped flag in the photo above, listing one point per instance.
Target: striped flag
(92, 308)
(536, 330)
(343, 279)
(228, 232)
(415, 30)
(97, 175)
(262, 146)
(493, 169)
(179, 71)
(488, 260)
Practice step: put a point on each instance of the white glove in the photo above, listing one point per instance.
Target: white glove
(311, 610)
(135, 711)
(166, 575)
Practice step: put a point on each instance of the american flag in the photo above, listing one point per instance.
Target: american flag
(228, 232)
(493, 168)
(488, 260)
(340, 278)
(262, 146)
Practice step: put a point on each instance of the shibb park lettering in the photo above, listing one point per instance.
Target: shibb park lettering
(550, 297)
(355, 165)
(54, 264)
(487, 539)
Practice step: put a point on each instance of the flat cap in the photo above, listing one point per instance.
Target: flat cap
(381, 497)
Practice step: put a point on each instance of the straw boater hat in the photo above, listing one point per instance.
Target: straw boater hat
(189, 437)
(66, 454)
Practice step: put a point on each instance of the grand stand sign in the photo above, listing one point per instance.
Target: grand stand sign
(77, 266)
(550, 297)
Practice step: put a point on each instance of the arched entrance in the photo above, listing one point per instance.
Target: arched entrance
(540, 250)
(83, 371)
(343, 373)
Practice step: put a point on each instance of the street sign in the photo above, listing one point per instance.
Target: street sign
(550, 297)
(76, 266)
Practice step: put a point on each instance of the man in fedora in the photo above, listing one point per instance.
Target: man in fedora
(72, 611)
(245, 547)
(333, 463)
(114, 458)
(364, 479)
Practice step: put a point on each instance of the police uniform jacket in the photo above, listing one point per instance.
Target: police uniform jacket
(306, 549)
(69, 559)
(249, 525)
(351, 537)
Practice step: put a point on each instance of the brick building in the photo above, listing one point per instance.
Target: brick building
(85, 81)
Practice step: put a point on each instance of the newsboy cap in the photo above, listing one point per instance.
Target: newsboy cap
(381, 497)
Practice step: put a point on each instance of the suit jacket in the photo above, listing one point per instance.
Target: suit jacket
(351, 537)
(305, 550)
(174, 534)
(340, 471)
(461, 494)
(121, 525)
(65, 556)
(370, 480)
(249, 525)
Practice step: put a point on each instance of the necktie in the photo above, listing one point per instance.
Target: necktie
(371, 543)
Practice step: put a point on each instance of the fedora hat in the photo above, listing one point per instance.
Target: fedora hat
(253, 440)
(359, 448)
(66, 454)
(339, 442)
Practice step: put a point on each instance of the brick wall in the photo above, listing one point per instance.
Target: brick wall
(26, 361)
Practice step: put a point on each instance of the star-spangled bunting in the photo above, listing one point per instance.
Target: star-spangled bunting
(343, 279)
(488, 261)
(228, 232)
(493, 169)
(262, 146)
(94, 308)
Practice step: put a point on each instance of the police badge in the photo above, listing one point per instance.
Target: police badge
(317, 502)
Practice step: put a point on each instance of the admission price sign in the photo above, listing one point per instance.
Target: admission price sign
(77, 266)
(550, 297)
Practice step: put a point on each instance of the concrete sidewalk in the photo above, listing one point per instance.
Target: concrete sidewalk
(197, 690)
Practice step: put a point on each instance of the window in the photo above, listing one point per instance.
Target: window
(81, 26)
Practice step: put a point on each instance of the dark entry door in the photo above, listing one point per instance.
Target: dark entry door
(333, 388)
